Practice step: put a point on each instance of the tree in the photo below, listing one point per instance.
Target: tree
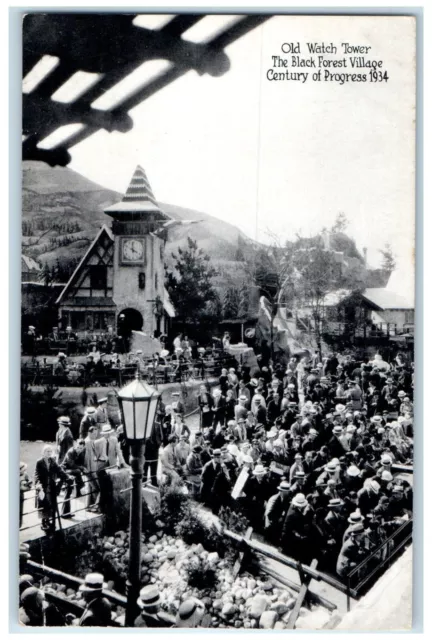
(190, 285)
(230, 307)
(341, 223)
(388, 262)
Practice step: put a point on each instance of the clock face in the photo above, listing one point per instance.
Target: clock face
(132, 250)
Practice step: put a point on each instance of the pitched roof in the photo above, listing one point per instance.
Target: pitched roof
(103, 229)
(139, 197)
(386, 299)
(31, 264)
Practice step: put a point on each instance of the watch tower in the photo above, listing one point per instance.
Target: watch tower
(138, 257)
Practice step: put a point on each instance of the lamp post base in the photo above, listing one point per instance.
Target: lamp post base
(133, 583)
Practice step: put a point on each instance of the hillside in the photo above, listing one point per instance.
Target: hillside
(62, 212)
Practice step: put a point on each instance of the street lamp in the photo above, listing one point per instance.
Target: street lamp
(138, 404)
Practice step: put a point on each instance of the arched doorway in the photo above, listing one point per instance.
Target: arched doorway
(129, 320)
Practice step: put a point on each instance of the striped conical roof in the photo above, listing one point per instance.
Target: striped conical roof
(138, 199)
(139, 189)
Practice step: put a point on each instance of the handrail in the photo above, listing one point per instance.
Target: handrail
(285, 560)
(379, 548)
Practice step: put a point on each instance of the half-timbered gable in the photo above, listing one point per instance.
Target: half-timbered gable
(86, 303)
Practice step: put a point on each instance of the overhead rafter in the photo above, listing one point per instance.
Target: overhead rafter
(111, 46)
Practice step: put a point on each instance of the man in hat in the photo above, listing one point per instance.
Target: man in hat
(276, 511)
(368, 496)
(63, 438)
(101, 412)
(334, 445)
(194, 468)
(330, 472)
(215, 482)
(108, 454)
(98, 609)
(108, 451)
(299, 533)
(190, 614)
(88, 420)
(352, 552)
(333, 527)
(353, 519)
(258, 491)
(151, 614)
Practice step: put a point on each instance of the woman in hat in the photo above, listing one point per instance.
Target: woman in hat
(64, 438)
(205, 403)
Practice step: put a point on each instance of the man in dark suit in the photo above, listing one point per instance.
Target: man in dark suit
(98, 609)
(49, 478)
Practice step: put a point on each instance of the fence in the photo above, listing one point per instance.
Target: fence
(76, 374)
(372, 566)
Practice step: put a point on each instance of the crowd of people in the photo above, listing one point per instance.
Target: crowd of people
(320, 443)
(312, 454)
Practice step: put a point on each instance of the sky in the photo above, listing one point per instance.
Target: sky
(278, 158)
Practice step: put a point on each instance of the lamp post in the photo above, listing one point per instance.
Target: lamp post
(138, 404)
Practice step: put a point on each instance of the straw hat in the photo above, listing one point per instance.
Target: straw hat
(259, 470)
(299, 500)
(284, 486)
(106, 428)
(340, 408)
(149, 596)
(353, 471)
(93, 582)
(355, 517)
(64, 420)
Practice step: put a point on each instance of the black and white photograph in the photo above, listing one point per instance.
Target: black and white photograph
(217, 390)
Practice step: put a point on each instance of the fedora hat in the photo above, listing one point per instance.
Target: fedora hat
(149, 596)
(284, 486)
(90, 410)
(63, 420)
(340, 408)
(259, 470)
(355, 517)
(357, 529)
(337, 430)
(335, 502)
(106, 428)
(376, 419)
(353, 471)
(93, 582)
(299, 500)
(331, 466)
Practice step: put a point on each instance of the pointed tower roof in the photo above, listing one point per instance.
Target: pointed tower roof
(139, 198)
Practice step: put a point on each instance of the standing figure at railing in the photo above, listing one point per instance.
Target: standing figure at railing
(64, 438)
(48, 479)
(352, 552)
